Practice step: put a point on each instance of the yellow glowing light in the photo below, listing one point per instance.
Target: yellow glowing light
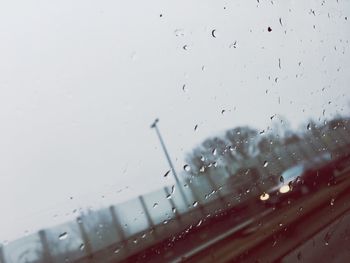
(264, 196)
(284, 189)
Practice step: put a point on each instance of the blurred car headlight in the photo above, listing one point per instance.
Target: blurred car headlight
(284, 189)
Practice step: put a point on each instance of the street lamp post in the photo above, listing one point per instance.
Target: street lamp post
(154, 125)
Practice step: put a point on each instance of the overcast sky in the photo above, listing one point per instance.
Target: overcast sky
(81, 81)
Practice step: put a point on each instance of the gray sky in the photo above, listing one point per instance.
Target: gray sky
(81, 81)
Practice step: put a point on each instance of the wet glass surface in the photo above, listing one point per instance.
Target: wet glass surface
(170, 131)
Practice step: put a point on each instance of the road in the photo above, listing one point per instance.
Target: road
(278, 236)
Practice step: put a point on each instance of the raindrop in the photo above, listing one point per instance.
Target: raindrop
(269, 29)
(308, 126)
(281, 179)
(196, 127)
(214, 152)
(174, 210)
(213, 33)
(223, 111)
(179, 32)
(63, 236)
(327, 238)
(332, 201)
(195, 203)
(172, 189)
(233, 45)
(280, 20)
(155, 205)
(184, 88)
(166, 174)
(266, 163)
(187, 168)
(81, 247)
(199, 223)
(264, 196)
(185, 47)
(168, 196)
(202, 158)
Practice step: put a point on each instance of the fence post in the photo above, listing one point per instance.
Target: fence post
(2, 256)
(46, 255)
(196, 199)
(119, 228)
(86, 240)
(173, 206)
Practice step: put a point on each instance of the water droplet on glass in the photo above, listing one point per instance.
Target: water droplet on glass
(155, 205)
(299, 256)
(168, 196)
(81, 247)
(184, 88)
(332, 201)
(264, 196)
(213, 33)
(179, 32)
(281, 179)
(166, 174)
(233, 45)
(214, 152)
(327, 238)
(195, 203)
(63, 236)
(308, 126)
(266, 163)
(187, 168)
(185, 47)
(269, 29)
(223, 111)
(199, 223)
(196, 127)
